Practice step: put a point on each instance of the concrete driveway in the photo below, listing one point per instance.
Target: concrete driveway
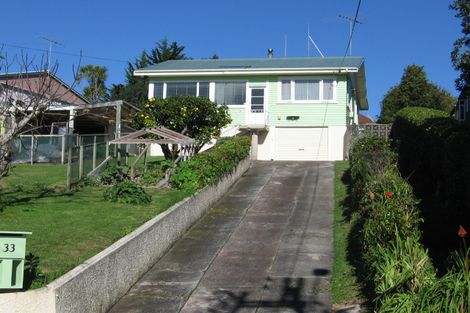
(266, 246)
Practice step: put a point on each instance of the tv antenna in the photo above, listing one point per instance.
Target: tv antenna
(51, 42)
(351, 23)
(310, 39)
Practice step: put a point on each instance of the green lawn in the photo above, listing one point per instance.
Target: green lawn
(344, 286)
(69, 228)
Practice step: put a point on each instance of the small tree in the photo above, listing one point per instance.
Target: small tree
(23, 98)
(95, 76)
(414, 90)
(196, 117)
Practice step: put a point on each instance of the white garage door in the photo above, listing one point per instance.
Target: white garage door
(301, 143)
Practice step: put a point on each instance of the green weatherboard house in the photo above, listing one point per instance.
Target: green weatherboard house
(295, 108)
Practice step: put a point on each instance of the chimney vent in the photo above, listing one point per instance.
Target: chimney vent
(270, 53)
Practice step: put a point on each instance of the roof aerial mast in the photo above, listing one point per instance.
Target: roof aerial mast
(351, 22)
(309, 39)
(51, 42)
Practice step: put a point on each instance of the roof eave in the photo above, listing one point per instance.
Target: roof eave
(248, 72)
(361, 89)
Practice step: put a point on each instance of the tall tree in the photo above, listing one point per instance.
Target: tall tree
(95, 76)
(135, 88)
(461, 55)
(414, 90)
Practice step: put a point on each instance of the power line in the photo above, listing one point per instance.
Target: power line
(63, 53)
(354, 22)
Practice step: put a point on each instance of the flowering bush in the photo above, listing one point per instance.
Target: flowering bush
(196, 117)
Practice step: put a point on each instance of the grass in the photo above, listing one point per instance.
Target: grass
(345, 288)
(69, 228)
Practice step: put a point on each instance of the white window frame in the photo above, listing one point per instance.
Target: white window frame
(292, 89)
(152, 86)
(212, 91)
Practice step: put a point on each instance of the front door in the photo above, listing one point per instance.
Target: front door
(256, 114)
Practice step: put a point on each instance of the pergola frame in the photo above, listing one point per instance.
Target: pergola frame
(165, 136)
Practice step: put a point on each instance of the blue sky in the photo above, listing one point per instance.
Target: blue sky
(395, 33)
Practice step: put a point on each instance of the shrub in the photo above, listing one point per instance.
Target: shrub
(113, 174)
(127, 192)
(388, 206)
(207, 167)
(154, 172)
(370, 157)
(402, 265)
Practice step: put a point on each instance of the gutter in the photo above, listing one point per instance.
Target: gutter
(249, 72)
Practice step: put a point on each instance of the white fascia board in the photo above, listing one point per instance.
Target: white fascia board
(337, 70)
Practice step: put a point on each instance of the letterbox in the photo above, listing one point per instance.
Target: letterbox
(12, 254)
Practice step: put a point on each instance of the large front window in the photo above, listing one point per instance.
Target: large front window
(230, 93)
(163, 90)
(181, 89)
(307, 90)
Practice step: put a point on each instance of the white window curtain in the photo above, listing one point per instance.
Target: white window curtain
(307, 90)
(286, 90)
(230, 93)
(327, 89)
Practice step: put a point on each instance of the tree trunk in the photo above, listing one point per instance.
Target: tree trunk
(5, 158)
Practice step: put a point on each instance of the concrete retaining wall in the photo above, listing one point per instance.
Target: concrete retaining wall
(97, 284)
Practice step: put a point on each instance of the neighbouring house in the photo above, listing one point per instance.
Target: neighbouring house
(66, 107)
(67, 112)
(364, 119)
(295, 108)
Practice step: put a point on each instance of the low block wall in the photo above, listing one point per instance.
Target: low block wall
(97, 284)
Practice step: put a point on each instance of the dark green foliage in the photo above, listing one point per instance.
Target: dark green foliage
(414, 90)
(154, 172)
(370, 156)
(461, 54)
(32, 272)
(127, 192)
(196, 117)
(207, 167)
(113, 174)
(389, 209)
(434, 152)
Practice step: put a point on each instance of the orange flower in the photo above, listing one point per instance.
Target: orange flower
(372, 195)
(462, 232)
(388, 194)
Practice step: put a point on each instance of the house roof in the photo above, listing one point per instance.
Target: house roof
(352, 66)
(34, 82)
(251, 64)
(364, 119)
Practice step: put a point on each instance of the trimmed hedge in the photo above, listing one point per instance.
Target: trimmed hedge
(434, 152)
(207, 167)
